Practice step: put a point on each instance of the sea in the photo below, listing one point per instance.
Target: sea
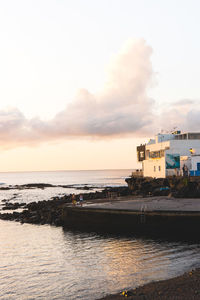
(49, 262)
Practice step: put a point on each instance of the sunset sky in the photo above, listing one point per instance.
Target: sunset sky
(82, 82)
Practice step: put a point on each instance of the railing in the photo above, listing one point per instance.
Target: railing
(137, 173)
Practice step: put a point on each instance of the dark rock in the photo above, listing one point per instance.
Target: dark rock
(13, 206)
(36, 185)
(180, 187)
(146, 186)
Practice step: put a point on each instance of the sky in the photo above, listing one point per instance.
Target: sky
(83, 82)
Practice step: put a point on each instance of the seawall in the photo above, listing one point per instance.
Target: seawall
(153, 223)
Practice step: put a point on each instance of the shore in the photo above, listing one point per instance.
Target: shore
(157, 216)
(51, 211)
(184, 287)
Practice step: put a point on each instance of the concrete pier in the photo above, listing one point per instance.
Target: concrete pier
(157, 216)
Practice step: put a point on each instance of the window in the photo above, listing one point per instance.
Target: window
(154, 168)
(157, 154)
(159, 168)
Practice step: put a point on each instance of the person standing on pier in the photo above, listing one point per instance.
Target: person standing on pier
(81, 199)
(73, 200)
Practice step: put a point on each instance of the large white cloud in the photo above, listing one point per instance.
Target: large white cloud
(121, 108)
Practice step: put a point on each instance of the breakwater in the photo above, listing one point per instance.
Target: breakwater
(163, 217)
(182, 224)
(154, 224)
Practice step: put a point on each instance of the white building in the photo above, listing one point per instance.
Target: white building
(167, 154)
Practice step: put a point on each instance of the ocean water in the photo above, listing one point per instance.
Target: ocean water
(48, 262)
(90, 177)
(96, 180)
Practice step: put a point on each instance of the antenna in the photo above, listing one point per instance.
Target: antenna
(174, 129)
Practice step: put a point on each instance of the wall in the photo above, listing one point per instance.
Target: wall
(158, 146)
(164, 137)
(194, 161)
(148, 167)
(170, 225)
(183, 146)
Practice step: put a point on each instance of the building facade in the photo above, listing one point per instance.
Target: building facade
(171, 154)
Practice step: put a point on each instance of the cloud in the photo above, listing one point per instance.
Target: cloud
(121, 108)
(183, 102)
(183, 114)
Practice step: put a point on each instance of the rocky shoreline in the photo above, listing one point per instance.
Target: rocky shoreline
(47, 185)
(50, 211)
(178, 187)
(184, 287)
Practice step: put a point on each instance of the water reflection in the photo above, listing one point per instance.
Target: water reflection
(120, 262)
(46, 262)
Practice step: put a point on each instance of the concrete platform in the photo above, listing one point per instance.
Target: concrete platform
(157, 204)
(155, 216)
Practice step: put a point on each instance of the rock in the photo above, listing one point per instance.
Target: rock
(180, 187)
(13, 206)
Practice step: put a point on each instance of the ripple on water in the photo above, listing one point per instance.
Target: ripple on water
(40, 262)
